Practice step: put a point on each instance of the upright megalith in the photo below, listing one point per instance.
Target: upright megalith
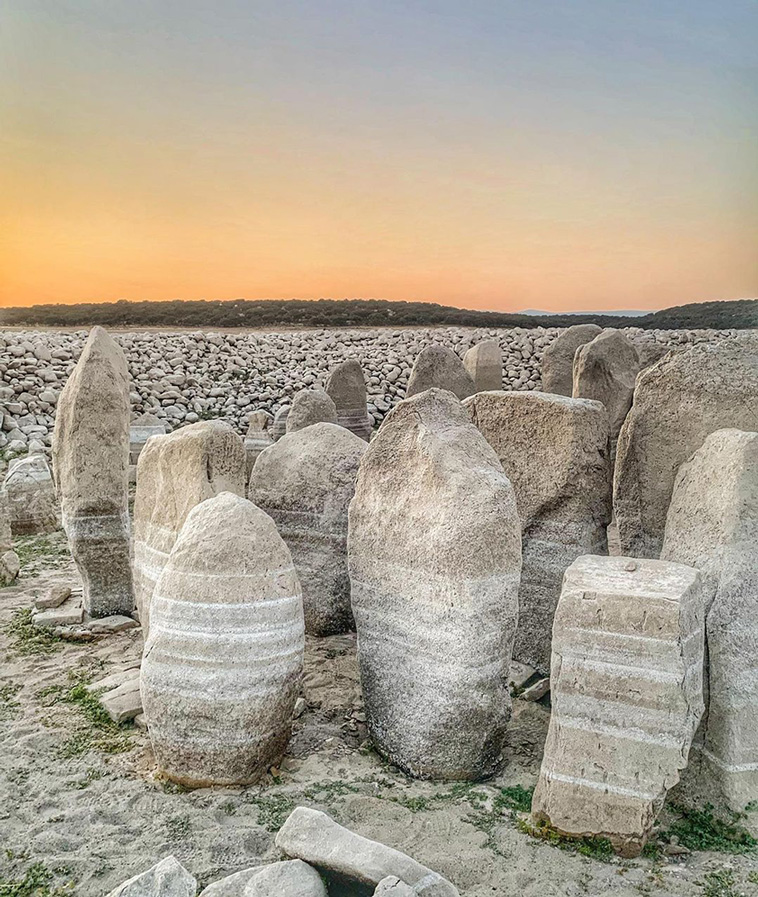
(434, 550)
(29, 489)
(347, 389)
(626, 692)
(310, 406)
(605, 370)
(305, 483)
(558, 358)
(677, 403)
(279, 426)
(176, 472)
(258, 437)
(91, 467)
(222, 664)
(142, 428)
(9, 562)
(439, 368)
(712, 524)
(555, 452)
(484, 362)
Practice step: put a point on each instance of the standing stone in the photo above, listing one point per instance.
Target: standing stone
(30, 492)
(279, 426)
(626, 691)
(310, 406)
(605, 370)
(142, 428)
(712, 524)
(555, 452)
(222, 664)
(258, 437)
(347, 389)
(305, 483)
(9, 562)
(176, 472)
(439, 368)
(558, 358)
(91, 466)
(434, 552)
(484, 362)
(677, 403)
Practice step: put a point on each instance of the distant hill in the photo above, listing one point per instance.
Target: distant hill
(626, 313)
(741, 313)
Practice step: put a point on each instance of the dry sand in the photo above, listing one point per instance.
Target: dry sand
(94, 818)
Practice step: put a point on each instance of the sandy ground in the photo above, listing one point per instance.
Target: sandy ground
(95, 818)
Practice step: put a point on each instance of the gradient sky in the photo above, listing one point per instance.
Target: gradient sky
(493, 154)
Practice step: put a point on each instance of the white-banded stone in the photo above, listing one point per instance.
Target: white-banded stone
(257, 438)
(222, 664)
(279, 426)
(484, 362)
(439, 368)
(347, 389)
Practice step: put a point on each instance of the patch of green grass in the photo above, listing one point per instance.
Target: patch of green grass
(516, 798)
(589, 846)
(26, 638)
(328, 791)
(273, 809)
(174, 787)
(704, 830)
(752, 877)
(37, 881)
(37, 552)
(719, 884)
(8, 703)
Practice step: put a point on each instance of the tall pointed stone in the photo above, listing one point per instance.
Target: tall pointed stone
(347, 389)
(310, 406)
(677, 403)
(434, 550)
(555, 452)
(484, 362)
(175, 473)
(558, 358)
(626, 692)
(305, 483)
(91, 465)
(712, 524)
(439, 368)
(222, 664)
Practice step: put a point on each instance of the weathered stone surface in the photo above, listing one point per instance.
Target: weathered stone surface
(279, 426)
(712, 524)
(292, 878)
(554, 450)
(347, 389)
(67, 614)
(142, 428)
(558, 358)
(440, 368)
(605, 370)
(677, 403)
(9, 562)
(123, 702)
(231, 885)
(166, 879)
(316, 838)
(223, 661)
(30, 493)
(115, 679)
(116, 623)
(174, 474)
(310, 406)
(626, 691)
(54, 597)
(305, 483)
(484, 363)
(257, 438)
(91, 465)
(393, 887)
(434, 552)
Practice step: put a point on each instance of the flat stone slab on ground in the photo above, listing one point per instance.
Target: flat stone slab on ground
(67, 614)
(123, 702)
(114, 623)
(114, 680)
(54, 597)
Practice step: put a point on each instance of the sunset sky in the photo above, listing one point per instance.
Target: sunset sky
(552, 154)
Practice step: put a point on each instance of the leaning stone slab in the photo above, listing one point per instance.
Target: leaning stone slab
(166, 879)
(484, 362)
(310, 406)
(305, 483)
(440, 368)
(677, 403)
(257, 439)
(222, 664)
(626, 690)
(175, 473)
(434, 550)
(555, 452)
(317, 839)
(30, 494)
(712, 524)
(558, 358)
(347, 389)
(91, 465)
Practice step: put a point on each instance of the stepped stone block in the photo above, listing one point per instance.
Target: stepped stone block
(434, 550)
(554, 450)
(91, 466)
(347, 389)
(712, 524)
(439, 368)
(484, 362)
(558, 358)
(222, 665)
(627, 696)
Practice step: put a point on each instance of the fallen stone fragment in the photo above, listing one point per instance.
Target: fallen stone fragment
(76, 633)
(115, 623)
(626, 689)
(140, 722)
(123, 702)
(54, 597)
(114, 679)
(68, 614)
(347, 389)
(310, 406)
(484, 363)
(537, 691)
(317, 839)
(519, 674)
(166, 879)
(712, 524)
(292, 878)
(440, 368)
(558, 358)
